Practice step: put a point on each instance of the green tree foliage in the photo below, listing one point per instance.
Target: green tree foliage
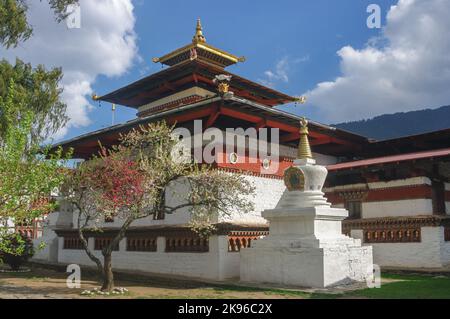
(36, 90)
(14, 26)
(132, 181)
(28, 173)
(30, 111)
(16, 249)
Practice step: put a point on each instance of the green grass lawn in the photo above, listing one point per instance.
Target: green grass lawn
(409, 287)
(394, 286)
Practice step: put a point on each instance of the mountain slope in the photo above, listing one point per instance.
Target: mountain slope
(400, 124)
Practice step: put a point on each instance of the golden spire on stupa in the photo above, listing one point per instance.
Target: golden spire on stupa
(304, 150)
(199, 37)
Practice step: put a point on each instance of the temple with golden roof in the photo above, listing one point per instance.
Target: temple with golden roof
(397, 191)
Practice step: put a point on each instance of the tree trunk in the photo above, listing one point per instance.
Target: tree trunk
(84, 241)
(108, 277)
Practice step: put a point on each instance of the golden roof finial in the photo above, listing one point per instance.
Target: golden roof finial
(199, 37)
(300, 99)
(304, 150)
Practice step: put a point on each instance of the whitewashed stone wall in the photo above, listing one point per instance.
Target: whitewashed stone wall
(409, 207)
(217, 264)
(267, 194)
(431, 252)
(49, 252)
(65, 219)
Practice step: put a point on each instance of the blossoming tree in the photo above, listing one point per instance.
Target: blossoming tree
(132, 180)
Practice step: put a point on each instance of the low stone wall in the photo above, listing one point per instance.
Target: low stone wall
(163, 250)
(200, 265)
(404, 242)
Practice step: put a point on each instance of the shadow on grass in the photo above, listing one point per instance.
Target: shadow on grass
(276, 292)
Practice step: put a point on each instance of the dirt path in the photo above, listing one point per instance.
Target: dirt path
(48, 284)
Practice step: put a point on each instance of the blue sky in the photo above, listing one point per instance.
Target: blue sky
(322, 49)
(264, 32)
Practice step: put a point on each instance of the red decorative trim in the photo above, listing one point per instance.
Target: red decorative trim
(147, 244)
(243, 239)
(187, 244)
(447, 196)
(385, 194)
(253, 166)
(394, 229)
(393, 235)
(221, 229)
(408, 192)
(396, 222)
(33, 230)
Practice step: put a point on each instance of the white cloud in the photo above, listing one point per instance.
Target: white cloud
(281, 71)
(407, 68)
(104, 45)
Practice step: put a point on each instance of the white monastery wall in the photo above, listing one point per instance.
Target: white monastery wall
(445, 249)
(217, 264)
(409, 207)
(50, 251)
(431, 252)
(267, 194)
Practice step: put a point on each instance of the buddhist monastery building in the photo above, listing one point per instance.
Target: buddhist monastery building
(396, 191)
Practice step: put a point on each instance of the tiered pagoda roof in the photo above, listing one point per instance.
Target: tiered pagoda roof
(194, 65)
(188, 90)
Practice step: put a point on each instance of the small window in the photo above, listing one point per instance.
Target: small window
(354, 209)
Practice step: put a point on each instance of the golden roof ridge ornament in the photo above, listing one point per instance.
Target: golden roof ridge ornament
(199, 37)
(304, 149)
(198, 49)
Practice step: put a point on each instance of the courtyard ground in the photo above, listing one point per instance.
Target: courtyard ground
(51, 284)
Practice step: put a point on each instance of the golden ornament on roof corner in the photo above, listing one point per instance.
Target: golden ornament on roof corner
(199, 37)
(223, 88)
(304, 149)
(300, 99)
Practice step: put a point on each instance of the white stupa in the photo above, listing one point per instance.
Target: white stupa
(306, 246)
